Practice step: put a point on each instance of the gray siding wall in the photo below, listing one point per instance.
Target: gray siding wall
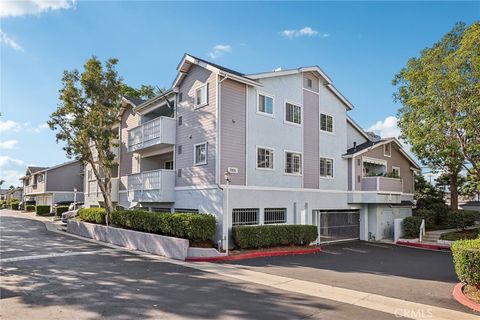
(311, 139)
(353, 136)
(315, 81)
(65, 178)
(128, 161)
(198, 126)
(396, 160)
(233, 130)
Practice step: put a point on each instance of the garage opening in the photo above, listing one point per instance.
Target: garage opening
(337, 225)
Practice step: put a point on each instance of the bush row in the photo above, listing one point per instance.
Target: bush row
(94, 215)
(60, 209)
(273, 235)
(192, 226)
(30, 208)
(437, 216)
(466, 257)
(42, 209)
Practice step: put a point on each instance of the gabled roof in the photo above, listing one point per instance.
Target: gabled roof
(369, 145)
(315, 69)
(133, 101)
(146, 103)
(188, 60)
(32, 170)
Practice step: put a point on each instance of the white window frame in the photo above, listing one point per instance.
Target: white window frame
(285, 163)
(384, 150)
(196, 106)
(195, 163)
(398, 169)
(285, 113)
(256, 158)
(333, 168)
(261, 93)
(333, 123)
(165, 165)
(309, 81)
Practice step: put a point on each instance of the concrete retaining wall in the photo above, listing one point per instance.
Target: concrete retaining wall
(170, 247)
(204, 252)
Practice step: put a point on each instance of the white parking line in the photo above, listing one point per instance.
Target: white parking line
(55, 255)
(397, 307)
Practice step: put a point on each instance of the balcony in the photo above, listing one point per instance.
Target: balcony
(95, 193)
(382, 184)
(152, 186)
(157, 132)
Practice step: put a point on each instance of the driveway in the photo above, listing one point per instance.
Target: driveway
(410, 274)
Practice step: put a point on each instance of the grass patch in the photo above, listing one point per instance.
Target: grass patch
(461, 235)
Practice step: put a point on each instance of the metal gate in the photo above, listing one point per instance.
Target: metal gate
(337, 225)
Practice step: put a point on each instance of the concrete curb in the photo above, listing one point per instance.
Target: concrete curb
(254, 255)
(462, 298)
(422, 246)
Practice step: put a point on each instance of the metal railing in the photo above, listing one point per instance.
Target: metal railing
(147, 131)
(147, 180)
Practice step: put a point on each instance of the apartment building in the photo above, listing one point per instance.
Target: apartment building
(272, 147)
(50, 185)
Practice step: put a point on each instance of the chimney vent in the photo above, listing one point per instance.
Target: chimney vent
(354, 145)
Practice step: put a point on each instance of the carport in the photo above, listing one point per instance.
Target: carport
(337, 225)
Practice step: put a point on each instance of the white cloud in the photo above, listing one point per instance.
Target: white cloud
(9, 144)
(11, 177)
(39, 128)
(33, 7)
(9, 42)
(387, 128)
(6, 161)
(9, 125)
(305, 31)
(219, 50)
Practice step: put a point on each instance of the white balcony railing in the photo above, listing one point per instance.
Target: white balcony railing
(152, 186)
(382, 184)
(160, 130)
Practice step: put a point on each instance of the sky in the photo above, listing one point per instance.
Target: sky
(360, 45)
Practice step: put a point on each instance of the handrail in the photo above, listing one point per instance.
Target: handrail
(422, 230)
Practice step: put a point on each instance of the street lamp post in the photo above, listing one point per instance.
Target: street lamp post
(227, 213)
(74, 198)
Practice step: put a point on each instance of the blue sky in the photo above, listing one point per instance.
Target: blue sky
(360, 45)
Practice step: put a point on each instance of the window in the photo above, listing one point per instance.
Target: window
(179, 173)
(180, 96)
(387, 150)
(114, 171)
(168, 165)
(293, 113)
(326, 123)
(396, 171)
(265, 104)
(265, 158)
(275, 215)
(200, 154)
(246, 216)
(326, 168)
(180, 120)
(309, 83)
(40, 178)
(293, 163)
(179, 149)
(201, 96)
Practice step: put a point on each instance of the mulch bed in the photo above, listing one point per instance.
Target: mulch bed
(472, 293)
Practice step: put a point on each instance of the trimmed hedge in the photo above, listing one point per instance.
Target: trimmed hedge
(42, 209)
(461, 219)
(60, 209)
(411, 226)
(30, 208)
(273, 235)
(466, 257)
(14, 205)
(94, 215)
(430, 217)
(192, 226)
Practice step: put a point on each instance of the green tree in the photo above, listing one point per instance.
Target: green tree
(144, 92)
(87, 112)
(439, 92)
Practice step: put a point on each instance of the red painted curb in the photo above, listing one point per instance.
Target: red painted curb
(254, 255)
(461, 298)
(423, 245)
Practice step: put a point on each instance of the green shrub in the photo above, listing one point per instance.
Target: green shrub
(411, 226)
(273, 235)
(441, 211)
(192, 226)
(60, 209)
(30, 208)
(14, 205)
(461, 219)
(95, 215)
(430, 216)
(466, 257)
(42, 209)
